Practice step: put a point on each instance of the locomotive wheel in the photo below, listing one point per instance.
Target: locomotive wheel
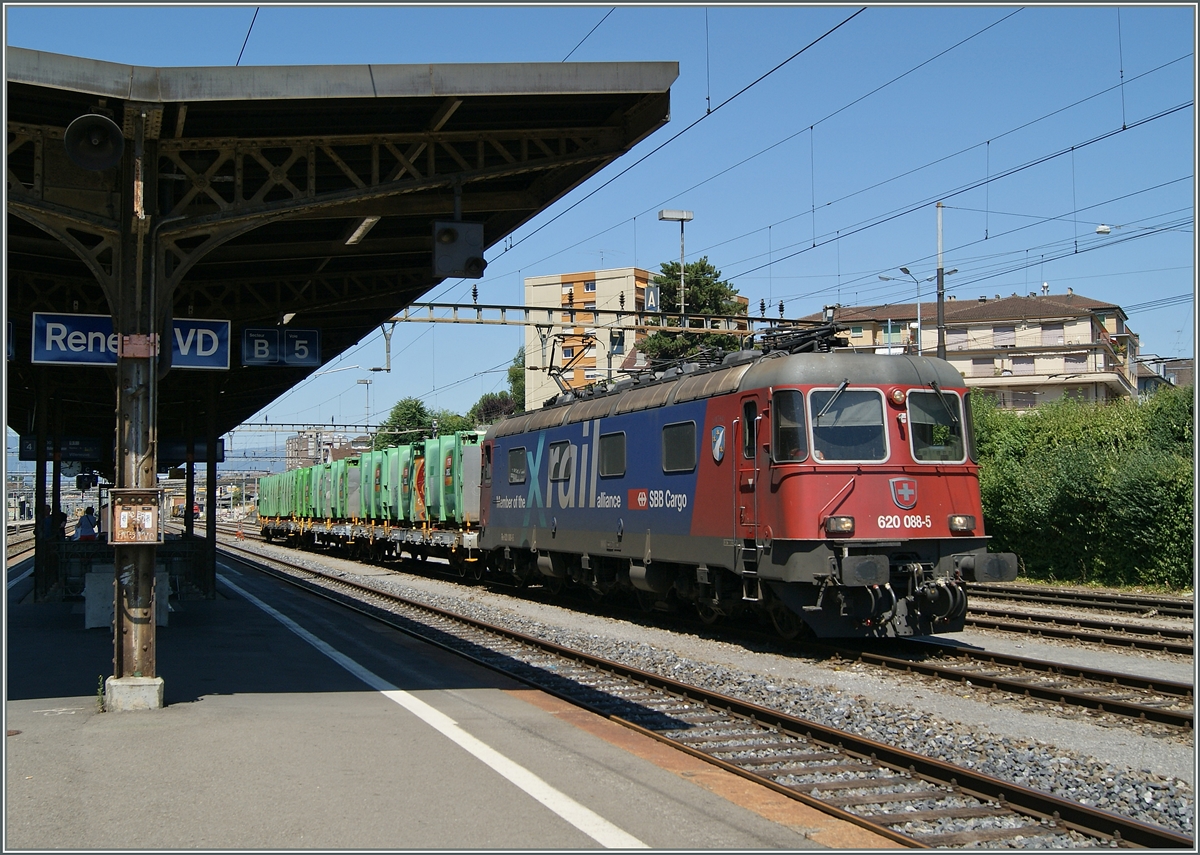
(787, 623)
(553, 584)
(709, 616)
(477, 568)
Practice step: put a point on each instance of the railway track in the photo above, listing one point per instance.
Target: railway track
(1111, 692)
(1145, 605)
(1105, 632)
(902, 795)
(1105, 692)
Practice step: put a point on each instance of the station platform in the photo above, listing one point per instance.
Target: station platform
(291, 724)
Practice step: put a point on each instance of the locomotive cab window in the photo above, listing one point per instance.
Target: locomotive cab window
(612, 455)
(516, 465)
(936, 427)
(679, 447)
(486, 475)
(847, 424)
(789, 443)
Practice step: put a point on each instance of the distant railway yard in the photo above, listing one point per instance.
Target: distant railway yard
(926, 741)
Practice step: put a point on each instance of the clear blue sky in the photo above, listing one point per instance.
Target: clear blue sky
(846, 146)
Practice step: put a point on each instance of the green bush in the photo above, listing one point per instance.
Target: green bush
(1092, 493)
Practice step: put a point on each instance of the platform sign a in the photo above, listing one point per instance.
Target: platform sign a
(651, 301)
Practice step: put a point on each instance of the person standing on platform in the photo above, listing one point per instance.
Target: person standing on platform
(85, 529)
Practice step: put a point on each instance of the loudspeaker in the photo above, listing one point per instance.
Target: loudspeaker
(94, 142)
(458, 250)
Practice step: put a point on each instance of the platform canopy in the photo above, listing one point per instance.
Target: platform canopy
(298, 197)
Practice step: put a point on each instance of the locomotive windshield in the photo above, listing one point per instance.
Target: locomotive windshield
(936, 427)
(847, 424)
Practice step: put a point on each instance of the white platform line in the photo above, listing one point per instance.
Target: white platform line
(24, 575)
(586, 820)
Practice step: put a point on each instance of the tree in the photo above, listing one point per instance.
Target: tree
(516, 381)
(408, 421)
(449, 422)
(492, 407)
(707, 294)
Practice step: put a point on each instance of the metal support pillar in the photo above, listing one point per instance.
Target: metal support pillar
(189, 497)
(56, 456)
(40, 563)
(210, 499)
(136, 322)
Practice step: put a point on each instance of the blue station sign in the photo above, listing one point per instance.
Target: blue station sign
(89, 340)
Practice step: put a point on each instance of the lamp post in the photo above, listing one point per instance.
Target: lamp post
(680, 217)
(909, 274)
(367, 383)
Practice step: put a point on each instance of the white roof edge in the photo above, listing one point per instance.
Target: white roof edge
(286, 82)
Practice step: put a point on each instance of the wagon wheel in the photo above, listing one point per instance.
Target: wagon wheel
(645, 600)
(460, 567)
(477, 568)
(708, 613)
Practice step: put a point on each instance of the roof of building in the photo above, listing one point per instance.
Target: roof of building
(989, 309)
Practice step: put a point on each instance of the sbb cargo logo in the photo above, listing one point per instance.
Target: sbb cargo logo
(639, 500)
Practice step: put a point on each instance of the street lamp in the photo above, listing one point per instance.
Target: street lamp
(680, 217)
(367, 383)
(909, 274)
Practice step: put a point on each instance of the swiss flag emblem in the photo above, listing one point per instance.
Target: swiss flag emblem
(904, 493)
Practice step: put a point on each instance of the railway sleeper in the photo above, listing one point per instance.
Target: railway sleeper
(959, 839)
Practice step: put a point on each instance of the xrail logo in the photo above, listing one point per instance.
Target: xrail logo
(639, 500)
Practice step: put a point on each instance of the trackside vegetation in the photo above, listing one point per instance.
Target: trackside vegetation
(1090, 493)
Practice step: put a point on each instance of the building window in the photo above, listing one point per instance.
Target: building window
(1074, 363)
(1004, 336)
(679, 447)
(983, 367)
(589, 287)
(856, 332)
(568, 352)
(1023, 400)
(1052, 335)
(956, 339)
(1022, 365)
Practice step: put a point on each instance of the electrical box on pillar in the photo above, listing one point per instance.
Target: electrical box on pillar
(135, 516)
(458, 249)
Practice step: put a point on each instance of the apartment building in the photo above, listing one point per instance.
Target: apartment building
(313, 446)
(585, 351)
(1024, 350)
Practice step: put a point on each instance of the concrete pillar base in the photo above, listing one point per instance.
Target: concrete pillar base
(122, 694)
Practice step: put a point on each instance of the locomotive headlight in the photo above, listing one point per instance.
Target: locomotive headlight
(962, 522)
(897, 397)
(839, 525)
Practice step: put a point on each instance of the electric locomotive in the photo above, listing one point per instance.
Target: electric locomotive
(835, 492)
